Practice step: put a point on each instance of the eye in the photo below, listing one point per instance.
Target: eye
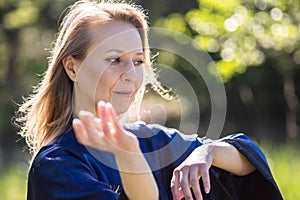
(138, 62)
(114, 60)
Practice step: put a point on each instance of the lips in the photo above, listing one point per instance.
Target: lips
(124, 93)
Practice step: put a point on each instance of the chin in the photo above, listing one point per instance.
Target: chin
(121, 110)
(120, 105)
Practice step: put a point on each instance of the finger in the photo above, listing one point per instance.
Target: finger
(194, 181)
(106, 124)
(97, 121)
(104, 127)
(205, 178)
(98, 125)
(88, 121)
(181, 193)
(113, 123)
(100, 104)
(99, 116)
(175, 185)
(79, 131)
(184, 183)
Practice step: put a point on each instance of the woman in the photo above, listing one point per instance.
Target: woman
(96, 77)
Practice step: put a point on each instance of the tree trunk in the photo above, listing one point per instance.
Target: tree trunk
(292, 101)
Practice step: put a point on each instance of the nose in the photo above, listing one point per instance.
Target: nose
(130, 73)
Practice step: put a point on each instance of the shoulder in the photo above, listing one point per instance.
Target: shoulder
(59, 158)
(61, 148)
(142, 130)
(66, 168)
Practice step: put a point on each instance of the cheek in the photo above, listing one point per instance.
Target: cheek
(105, 85)
(140, 76)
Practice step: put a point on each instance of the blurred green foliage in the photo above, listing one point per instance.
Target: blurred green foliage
(27, 28)
(255, 47)
(22, 16)
(242, 33)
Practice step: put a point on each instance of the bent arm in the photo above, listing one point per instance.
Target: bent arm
(105, 133)
(220, 154)
(227, 157)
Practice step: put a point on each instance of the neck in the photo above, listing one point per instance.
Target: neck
(82, 101)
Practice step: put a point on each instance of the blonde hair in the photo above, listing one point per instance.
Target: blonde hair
(48, 111)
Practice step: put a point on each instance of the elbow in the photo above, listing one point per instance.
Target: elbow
(154, 194)
(244, 173)
(245, 168)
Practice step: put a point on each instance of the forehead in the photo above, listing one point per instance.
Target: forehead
(116, 35)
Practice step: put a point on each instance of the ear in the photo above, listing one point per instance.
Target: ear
(71, 66)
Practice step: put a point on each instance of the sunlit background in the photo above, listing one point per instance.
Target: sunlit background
(255, 45)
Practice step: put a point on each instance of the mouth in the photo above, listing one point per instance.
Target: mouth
(124, 94)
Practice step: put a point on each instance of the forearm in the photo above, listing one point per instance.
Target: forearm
(227, 157)
(137, 178)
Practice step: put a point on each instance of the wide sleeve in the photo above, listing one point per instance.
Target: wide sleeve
(258, 185)
(166, 148)
(62, 175)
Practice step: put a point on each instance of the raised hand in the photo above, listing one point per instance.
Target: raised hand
(104, 132)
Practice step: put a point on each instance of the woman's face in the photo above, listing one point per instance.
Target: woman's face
(112, 70)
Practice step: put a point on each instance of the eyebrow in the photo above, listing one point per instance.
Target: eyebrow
(120, 51)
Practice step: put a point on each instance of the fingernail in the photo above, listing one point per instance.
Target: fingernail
(76, 121)
(101, 103)
(206, 190)
(108, 104)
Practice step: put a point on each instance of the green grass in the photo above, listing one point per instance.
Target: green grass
(284, 161)
(13, 183)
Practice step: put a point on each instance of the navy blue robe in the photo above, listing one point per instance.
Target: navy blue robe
(65, 169)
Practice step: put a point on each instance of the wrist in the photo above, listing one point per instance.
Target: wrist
(129, 162)
(129, 147)
(211, 149)
(214, 150)
(218, 150)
